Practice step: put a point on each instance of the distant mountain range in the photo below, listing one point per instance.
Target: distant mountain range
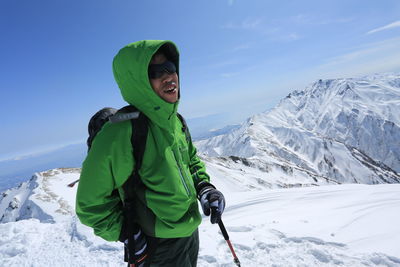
(15, 171)
(334, 131)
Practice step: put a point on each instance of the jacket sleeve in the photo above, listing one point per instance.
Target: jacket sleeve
(107, 165)
(197, 166)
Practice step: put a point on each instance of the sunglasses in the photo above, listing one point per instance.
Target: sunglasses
(157, 70)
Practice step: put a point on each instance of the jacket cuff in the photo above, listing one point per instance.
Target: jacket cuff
(202, 186)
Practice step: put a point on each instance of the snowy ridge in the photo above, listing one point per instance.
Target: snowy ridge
(342, 131)
(38, 218)
(42, 198)
(346, 225)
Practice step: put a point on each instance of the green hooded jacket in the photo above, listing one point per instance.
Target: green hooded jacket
(166, 203)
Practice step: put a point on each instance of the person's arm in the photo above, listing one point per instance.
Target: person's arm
(197, 166)
(212, 200)
(108, 163)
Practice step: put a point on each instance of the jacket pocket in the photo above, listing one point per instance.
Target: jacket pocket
(182, 176)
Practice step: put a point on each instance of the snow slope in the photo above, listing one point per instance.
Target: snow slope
(344, 225)
(335, 131)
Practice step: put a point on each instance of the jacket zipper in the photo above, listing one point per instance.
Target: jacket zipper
(181, 175)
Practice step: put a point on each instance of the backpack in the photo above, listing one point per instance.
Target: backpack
(139, 123)
(126, 113)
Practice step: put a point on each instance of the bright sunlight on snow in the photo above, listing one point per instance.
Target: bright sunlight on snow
(343, 225)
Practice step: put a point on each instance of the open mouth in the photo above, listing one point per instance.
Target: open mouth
(171, 89)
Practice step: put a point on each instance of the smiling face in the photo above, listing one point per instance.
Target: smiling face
(166, 86)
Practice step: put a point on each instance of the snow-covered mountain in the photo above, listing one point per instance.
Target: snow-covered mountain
(346, 225)
(334, 131)
(45, 197)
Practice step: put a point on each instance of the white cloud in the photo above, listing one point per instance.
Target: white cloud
(375, 57)
(251, 23)
(247, 24)
(312, 19)
(291, 37)
(223, 64)
(376, 49)
(335, 21)
(273, 33)
(282, 37)
(386, 27)
(229, 75)
(242, 47)
(300, 18)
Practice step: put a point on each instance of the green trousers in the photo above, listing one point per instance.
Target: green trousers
(176, 252)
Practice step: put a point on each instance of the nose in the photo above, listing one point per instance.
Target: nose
(167, 77)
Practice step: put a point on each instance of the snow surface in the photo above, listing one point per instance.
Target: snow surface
(336, 225)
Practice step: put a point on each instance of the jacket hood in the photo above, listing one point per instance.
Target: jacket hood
(130, 68)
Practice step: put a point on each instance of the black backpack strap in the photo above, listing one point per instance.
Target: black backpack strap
(185, 128)
(138, 141)
(140, 128)
(124, 114)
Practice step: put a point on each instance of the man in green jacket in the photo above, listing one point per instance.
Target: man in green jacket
(172, 175)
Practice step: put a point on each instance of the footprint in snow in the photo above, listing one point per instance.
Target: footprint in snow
(324, 257)
(242, 247)
(208, 258)
(239, 229)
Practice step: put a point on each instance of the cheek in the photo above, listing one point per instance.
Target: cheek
(154, 84)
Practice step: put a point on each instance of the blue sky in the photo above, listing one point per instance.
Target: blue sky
(237, 57)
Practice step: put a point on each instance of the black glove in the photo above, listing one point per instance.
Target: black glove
(140, 247)
(212, 201)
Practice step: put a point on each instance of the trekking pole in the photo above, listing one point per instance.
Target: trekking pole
(73, 183)
(226, 236)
